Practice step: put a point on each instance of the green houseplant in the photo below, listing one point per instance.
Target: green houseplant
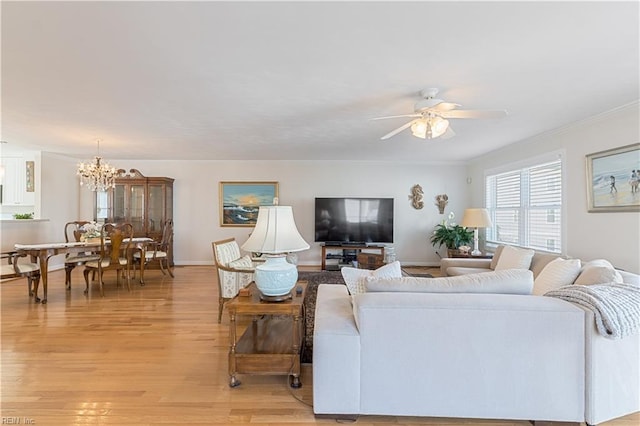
(450, 234)
(23, 216)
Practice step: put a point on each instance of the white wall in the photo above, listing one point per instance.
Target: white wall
(614, 236)
(196, 200)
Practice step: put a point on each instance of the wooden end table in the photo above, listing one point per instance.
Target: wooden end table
(470, 256)
(271, 343)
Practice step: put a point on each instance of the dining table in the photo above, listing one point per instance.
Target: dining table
(44, 251)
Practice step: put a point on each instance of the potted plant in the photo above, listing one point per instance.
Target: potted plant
(451, 235)
(91, 232)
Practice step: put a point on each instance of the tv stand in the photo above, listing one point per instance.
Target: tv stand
(344, 253)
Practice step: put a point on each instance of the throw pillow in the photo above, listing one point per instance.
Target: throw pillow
(557, 273)
(514, 258)
(508, 281)
(354, 277)
(598, 271)
(243, 263)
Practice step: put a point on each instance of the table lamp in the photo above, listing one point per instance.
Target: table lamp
(476, 218)
(275, 235)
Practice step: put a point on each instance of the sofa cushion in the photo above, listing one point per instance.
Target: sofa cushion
(557, 273)
(599, 271)
(496, 256)
(507, 281)
(354, 277)
(514, 258)
(464, 270)
(540, 260)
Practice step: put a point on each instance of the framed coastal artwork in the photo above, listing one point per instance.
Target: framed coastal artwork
(240, 201)
(613, 179)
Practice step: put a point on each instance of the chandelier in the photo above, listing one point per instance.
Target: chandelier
(97, 176)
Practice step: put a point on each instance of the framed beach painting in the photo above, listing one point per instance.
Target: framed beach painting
(240, 201)
(613, 178)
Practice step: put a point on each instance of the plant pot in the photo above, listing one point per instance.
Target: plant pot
(453, 252)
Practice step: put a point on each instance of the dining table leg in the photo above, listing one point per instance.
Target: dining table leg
(44, 269)
(143, 259)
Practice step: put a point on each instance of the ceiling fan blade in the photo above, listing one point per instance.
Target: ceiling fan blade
(449, 133)
(445, 106)
(397, 116)
(398, 130)
(472, 114)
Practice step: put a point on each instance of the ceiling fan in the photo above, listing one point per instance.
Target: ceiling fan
(430, 117)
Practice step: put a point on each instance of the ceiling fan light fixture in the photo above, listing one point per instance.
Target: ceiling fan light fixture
(438, 127)
(420, 128)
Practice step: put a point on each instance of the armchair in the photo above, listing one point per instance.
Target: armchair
(233, 271)
(15, 269)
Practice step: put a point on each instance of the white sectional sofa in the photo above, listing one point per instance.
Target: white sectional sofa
(468, 355)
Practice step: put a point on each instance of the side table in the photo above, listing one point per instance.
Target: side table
(272, 341)
(469, 256)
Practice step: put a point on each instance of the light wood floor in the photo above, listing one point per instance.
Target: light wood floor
(154, 356)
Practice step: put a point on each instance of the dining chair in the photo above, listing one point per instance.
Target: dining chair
(12, 267)
(115, 254)
(159, 250)
(73, 233)
(233, 270)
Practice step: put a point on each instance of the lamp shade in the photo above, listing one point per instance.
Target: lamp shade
(476, 218)
(275, 232)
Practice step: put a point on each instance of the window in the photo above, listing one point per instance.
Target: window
(526, 206)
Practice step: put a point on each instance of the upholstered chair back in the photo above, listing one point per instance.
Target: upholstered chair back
(233, 270)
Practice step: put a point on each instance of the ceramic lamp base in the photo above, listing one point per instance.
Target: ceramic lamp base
(476, 251)
(276, 277)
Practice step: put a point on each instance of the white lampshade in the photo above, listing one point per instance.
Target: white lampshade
(275, 232)
(419, 128)
(476, 218)
(438, 127)
(275, 235)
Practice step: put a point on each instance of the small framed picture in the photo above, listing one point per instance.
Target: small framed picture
(240, 201)
(613, 178)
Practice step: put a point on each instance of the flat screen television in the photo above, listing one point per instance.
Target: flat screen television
(354, 220)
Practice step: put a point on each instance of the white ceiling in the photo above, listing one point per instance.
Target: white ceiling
(300, 80)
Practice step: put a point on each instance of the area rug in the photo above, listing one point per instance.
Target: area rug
(314, 279)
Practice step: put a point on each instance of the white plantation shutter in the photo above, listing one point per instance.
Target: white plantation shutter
(526, 206)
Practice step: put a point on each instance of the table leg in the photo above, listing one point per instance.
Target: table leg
(295, 359)
(233, 381)
(44, 269)
(143, 259)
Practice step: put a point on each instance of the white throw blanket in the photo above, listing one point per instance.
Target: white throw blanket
(616, 306)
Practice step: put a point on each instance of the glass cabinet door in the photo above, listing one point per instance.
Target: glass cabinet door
(119, 213)
(136, 209)
(156, 209)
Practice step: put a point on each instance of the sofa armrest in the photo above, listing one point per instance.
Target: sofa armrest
(336, 353)
(454, 262)
(612, 375)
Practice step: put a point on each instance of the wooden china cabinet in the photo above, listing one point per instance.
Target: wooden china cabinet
(145, 202)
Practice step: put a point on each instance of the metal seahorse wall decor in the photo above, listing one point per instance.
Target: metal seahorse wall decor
(416, 197)
(441, 201)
